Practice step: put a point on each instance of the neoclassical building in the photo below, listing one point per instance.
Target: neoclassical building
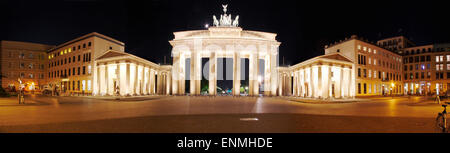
(98, 65)
(120, 73)
(224, 40)
(326, 76)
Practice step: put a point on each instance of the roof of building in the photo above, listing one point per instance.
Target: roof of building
(25, 45)
(334, 57)
(93, 34)
(354, 37)
(112, 54)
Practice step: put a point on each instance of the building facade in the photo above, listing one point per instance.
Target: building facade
(426, 69)
(23, 60)
(224, 40)
(95, 64)
(378, 71)
(70, 65)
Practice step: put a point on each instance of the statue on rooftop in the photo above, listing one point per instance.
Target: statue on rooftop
(225, 19)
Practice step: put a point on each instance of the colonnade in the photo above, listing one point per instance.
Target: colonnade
(179, 72)
(317, 80)
(129, 78)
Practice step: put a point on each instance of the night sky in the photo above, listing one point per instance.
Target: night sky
(145, 27)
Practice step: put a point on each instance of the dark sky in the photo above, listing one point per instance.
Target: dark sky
(147, 26)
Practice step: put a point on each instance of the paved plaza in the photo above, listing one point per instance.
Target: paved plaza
(168, 114)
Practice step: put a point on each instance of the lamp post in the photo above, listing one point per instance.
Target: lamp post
(392, 90)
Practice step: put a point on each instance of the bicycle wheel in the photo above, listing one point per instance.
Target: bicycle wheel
(440, 123)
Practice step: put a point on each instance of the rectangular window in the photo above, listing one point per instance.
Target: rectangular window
(359, 59)
(89, 85)
(84, 85)
(359, 88)
(365, 91)
(84, 70)
(370, 73)
(374, 88)
(359, 72)
(79, 70)
(89, 69)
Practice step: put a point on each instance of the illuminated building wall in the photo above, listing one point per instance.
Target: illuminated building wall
(23, 60)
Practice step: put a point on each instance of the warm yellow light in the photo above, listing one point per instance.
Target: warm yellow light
(61, 52)
(392, 84)
(49, 56)
(65, 51)
(70, 50)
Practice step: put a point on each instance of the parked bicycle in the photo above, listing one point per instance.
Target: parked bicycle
(441, 120)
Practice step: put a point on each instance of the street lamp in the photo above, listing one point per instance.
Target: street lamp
(392, 90)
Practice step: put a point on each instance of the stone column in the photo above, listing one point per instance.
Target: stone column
(212, 74)
(95, 83)
(176, 69)
(123, 78)
(325, 71)
(168, 81)
(146, 80)
(337, 81)
(138, 86)
(194, 65)
(253, 74)
(294, 88)
(236, 73)
(302, 82)
(308, 81)
(315, 81)
(111, 69)
(280, 84)
(152, 81)
(353, 81)
(267, 75)
(102, 83)
(273, 72)
(132, 78)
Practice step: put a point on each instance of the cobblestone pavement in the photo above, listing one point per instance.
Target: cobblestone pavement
(216, 114)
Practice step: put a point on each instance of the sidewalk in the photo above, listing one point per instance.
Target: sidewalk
(123, 98)
(324, 101)
(13, 101)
